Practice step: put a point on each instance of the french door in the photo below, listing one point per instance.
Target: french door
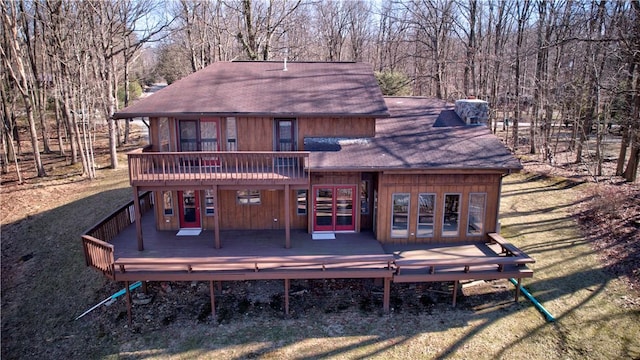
(189, 206)
(333, 208)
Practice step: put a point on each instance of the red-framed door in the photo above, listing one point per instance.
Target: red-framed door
(189, 204)
(333, 208)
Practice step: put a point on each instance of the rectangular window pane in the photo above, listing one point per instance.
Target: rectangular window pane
(208, 135)
(209, 209)
(302, 202)
(285, 133)
(450, 223)
(232, 134)
(167, 201)
(163, 130)
(426, 212)
(400, 215)
(248, 197)
(475, 222)
(364, 197)
(188, 135)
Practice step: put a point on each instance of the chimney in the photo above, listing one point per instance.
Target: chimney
(473, 111)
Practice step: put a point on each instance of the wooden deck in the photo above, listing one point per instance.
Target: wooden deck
(261, 255)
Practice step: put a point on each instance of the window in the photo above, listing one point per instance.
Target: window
(209, 209)
(163, 132)
(285, 135)
(426, 212)
(451, 215)
(167, 202)
(475, 222)
(364, 197)
(400, 215)
(248, 197)
(302, 202)
(232, 134)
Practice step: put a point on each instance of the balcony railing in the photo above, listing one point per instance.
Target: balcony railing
(221, 168)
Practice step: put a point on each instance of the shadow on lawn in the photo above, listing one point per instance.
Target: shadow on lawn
(70, 291)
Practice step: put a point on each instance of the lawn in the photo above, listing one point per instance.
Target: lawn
(45, 285)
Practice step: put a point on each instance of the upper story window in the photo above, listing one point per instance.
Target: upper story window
(232, 134)
(163, 134)
(199, 135)
(285, 139)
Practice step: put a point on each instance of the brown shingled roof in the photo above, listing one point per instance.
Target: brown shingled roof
(421, 134)
(264, 88)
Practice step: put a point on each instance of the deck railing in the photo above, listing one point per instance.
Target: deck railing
(99, 255)
(219, 167)
(98, 252)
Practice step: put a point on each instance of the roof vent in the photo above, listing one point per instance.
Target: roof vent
(285, 65)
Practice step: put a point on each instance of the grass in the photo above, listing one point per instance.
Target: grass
(41, 296)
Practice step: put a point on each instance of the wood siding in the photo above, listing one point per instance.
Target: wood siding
(235, 216)
(439, 185)
(255, 133)
(335, 127)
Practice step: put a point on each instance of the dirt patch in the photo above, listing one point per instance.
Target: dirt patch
(184, 303)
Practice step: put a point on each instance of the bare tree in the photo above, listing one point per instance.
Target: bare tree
(12, 58)
(259, 22)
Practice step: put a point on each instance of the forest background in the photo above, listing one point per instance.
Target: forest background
(543, 66)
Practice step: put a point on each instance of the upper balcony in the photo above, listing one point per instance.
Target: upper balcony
(152, 169)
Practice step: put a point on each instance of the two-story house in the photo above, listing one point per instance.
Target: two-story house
(315, 147)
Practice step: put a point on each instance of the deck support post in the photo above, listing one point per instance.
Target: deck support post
(518, 289)
(138, 217)
(386, 294)
(213, 300)
(216, 218)
(286, 296)
(287, 216)
(129, 311)
(455, 291)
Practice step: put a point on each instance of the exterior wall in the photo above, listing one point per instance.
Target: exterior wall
(166, 222)
(439, 185)
(335, 127)
(255, 133)
(235, 216)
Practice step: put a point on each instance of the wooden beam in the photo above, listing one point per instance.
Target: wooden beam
(386, 295)
(216, 218)
(287, 217)
(518, 289)
(138, 218)
(455, 292)
(286, 296)
(129, 312)
(213, 300)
